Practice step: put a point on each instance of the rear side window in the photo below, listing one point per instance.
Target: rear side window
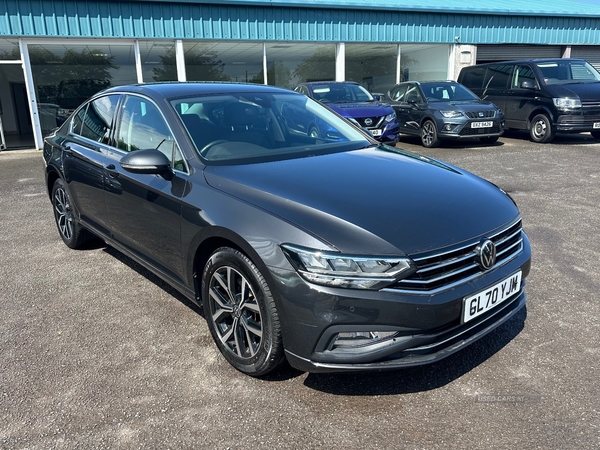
(473, 77)
(99, 118)
(497, 76)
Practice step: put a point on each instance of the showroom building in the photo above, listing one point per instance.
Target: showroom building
(56, 53)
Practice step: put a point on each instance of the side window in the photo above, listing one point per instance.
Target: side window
(497, 76)
(523, 73)
(413, 95)
(473, 77)
(397, 94)
(98, 121)
(143, 127)
(77, 120)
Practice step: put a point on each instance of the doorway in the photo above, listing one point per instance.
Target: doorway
(14, 108)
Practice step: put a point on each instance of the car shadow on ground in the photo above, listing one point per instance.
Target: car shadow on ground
(149, 276)
(406, 139)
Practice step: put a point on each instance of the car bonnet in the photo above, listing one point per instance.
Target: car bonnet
(374, 200)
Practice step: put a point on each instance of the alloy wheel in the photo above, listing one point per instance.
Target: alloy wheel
(62, 210)
(235, 312)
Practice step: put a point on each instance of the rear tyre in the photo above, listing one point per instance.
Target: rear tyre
(71, 232)
(241, 313)
(541, 129)
(489, 140)
(429, 135)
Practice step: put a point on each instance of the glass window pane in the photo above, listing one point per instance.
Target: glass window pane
(98, 121)
(9, 50)
(158, 60)
(372, 65)
(224, 61)
(289, 64)
(66, 75)
(424, 62)
(143, 127)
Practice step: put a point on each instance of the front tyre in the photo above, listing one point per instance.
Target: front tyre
(71, 232)
(429, 135)
(541, 129)
(241, 313)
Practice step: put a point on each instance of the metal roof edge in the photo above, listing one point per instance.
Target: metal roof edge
(358, 5)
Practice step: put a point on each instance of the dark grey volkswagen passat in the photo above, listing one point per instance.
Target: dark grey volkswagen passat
(332, 251)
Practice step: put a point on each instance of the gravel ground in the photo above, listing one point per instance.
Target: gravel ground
(98, 353)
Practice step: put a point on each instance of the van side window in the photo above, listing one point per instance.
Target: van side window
(473, 77)
(523, 73)
(497, 76)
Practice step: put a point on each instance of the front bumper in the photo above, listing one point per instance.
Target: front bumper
(427, 326)
(578, 122)
(465, 131)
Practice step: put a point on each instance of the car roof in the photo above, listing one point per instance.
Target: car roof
(181, 89)
(530, 60)
(315, 83)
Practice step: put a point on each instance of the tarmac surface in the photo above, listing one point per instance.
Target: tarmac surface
(97, 353)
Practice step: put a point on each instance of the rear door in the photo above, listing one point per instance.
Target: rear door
(144, 210)
(496, 84)
(84, 156)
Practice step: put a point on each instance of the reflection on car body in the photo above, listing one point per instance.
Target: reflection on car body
(328, 249)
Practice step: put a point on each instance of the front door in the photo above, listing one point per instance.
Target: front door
(145, 210)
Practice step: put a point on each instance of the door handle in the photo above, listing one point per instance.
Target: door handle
(112, 171)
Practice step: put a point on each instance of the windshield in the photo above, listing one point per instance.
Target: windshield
(235, 128)
(341, 93)
(447, 92)
(567, 72)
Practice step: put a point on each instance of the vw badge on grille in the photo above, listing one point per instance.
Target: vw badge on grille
(368, 122)
(486, 254)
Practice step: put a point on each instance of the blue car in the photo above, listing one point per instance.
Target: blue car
(355, 103)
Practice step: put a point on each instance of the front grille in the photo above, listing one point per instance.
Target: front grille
(375, 122)
(480, 114)
(446, 269)
(468, 131)
(590, 103)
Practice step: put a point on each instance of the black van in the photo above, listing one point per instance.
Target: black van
(540, 95)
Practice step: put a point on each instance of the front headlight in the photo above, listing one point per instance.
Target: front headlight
(390, 117)
(347, 271)
(567, 103)
(451, 114)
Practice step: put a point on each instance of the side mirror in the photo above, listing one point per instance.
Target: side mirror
(527, 85)
(377, 97)
(146, 161)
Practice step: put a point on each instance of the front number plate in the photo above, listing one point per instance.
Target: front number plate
(375, 132)
(477, 304)
(596, 125)
(482, 124)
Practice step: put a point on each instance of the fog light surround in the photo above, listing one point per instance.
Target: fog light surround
(357, 339)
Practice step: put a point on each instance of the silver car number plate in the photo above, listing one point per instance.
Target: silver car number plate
(477, 304)
(487, 124)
